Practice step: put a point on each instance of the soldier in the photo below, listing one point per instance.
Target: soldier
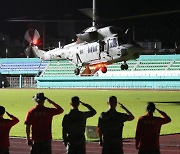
(5, 126)
(101, 47)
(110, 126)
(74, 127)
(39, 118)
(148, 129)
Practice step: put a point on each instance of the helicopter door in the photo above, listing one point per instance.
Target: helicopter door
(106, 47)
(101, 47)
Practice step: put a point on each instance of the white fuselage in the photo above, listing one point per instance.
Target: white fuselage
(82, 54)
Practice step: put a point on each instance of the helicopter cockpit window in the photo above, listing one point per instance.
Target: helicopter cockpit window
(122, 40)
(113, 43)
(125, 40)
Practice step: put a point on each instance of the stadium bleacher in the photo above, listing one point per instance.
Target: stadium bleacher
(20, 72)
(142, 73)
(59, 68)
(22, 66)
(147, 72)
(144, 63)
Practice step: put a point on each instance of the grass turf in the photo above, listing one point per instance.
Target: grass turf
(19, 101)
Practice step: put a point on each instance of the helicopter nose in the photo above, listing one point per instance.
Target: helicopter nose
(137, 50)
(131, 51)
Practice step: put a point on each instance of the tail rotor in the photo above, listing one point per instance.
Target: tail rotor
(32, 38)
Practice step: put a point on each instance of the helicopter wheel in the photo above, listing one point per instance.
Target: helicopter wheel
(124, 67)
(77, 71)
(104, 69)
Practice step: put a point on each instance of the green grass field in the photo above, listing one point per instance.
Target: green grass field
(19, 101)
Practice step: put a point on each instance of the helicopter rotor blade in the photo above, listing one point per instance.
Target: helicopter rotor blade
(147, 15)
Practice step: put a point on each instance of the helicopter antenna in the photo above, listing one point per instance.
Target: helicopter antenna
(94, 13)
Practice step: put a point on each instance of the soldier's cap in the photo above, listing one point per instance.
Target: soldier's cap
(39, 96)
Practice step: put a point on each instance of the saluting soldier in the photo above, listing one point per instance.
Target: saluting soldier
(74, 124)
(110, 126)
(5, 127)
(39, 119)
(148, 129)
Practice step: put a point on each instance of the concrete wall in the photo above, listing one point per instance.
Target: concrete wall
(125, 82)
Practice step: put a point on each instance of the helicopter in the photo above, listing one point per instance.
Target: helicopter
(94, 49)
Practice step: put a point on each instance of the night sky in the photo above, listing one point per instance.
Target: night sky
(165, 28)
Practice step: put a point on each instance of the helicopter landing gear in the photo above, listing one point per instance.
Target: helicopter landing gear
(77, 71)
(124, 66)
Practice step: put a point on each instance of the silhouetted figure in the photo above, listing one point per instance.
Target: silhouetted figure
(101, 47)
(74, 124)
(111, 125)
(5, 127)
(148, 130)
(39, 119)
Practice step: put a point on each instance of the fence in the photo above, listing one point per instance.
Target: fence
(20, 82)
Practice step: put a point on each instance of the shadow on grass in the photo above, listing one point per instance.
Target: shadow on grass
(173, 102)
